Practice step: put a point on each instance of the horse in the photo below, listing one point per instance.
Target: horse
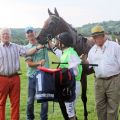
(55, 25)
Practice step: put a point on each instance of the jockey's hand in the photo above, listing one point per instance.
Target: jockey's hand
(51, 44)
(83, 57)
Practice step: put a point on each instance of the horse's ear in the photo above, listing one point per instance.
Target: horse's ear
(49, 12)
(56, 12)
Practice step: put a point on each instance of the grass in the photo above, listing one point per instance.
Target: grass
(56, 115)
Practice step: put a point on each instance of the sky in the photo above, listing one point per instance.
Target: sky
(23, 13)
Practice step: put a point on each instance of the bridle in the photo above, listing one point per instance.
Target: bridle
(46, 35)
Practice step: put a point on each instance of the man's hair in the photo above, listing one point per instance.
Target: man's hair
(5, 30)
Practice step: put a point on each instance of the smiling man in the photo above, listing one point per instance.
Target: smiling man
(9, 68)
(40, 58)
(106, 54)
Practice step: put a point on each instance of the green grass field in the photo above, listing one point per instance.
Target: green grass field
(56, 115)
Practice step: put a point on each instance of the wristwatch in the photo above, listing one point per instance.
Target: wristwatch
(37, 48)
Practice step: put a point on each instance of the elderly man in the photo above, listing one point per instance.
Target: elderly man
(106, 54)
(9, 68)
(33, 61)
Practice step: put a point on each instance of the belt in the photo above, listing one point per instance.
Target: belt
(107, 78)
(12, 75)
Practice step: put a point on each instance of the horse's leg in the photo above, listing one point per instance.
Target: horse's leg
(83, 95)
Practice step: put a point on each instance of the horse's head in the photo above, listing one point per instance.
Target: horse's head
(55, 25)
(52, 27)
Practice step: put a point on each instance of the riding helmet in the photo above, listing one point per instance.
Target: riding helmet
(66, 39)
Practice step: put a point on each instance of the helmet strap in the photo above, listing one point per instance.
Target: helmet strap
(62, 47)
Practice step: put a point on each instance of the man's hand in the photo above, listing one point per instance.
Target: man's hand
(35, 64)
(41, 62)
(33, 50)
(39, 46)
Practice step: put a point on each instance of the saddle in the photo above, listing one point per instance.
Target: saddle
(53, 83)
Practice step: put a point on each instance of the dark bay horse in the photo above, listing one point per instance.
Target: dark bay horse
(55, 25)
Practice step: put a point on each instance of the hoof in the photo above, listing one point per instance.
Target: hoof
(86, 118)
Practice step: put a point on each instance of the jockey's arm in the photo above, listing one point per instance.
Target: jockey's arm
(55, 50)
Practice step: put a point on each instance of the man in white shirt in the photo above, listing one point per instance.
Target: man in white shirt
(106, 54)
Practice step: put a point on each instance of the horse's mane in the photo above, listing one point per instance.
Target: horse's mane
(80, 43)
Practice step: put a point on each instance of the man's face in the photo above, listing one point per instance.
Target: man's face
(5, 37)
(30, 35)
(99, 40)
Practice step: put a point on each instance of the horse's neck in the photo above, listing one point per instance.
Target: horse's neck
(82, 46)
(79, 44)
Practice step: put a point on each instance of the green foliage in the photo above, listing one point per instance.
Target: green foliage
(18, 35)
(109, 26)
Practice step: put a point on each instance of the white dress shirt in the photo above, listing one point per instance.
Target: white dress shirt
(107, 58)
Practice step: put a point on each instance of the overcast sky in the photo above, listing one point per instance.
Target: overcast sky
(23, 13)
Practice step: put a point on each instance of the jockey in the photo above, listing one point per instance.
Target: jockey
(70, 56)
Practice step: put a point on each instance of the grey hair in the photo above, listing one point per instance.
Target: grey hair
(5, 30)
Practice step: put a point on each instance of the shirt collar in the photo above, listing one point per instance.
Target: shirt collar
(104, 45)
(3, 44)
(31, 45)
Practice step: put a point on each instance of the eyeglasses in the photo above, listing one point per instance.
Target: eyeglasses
(29, 31)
